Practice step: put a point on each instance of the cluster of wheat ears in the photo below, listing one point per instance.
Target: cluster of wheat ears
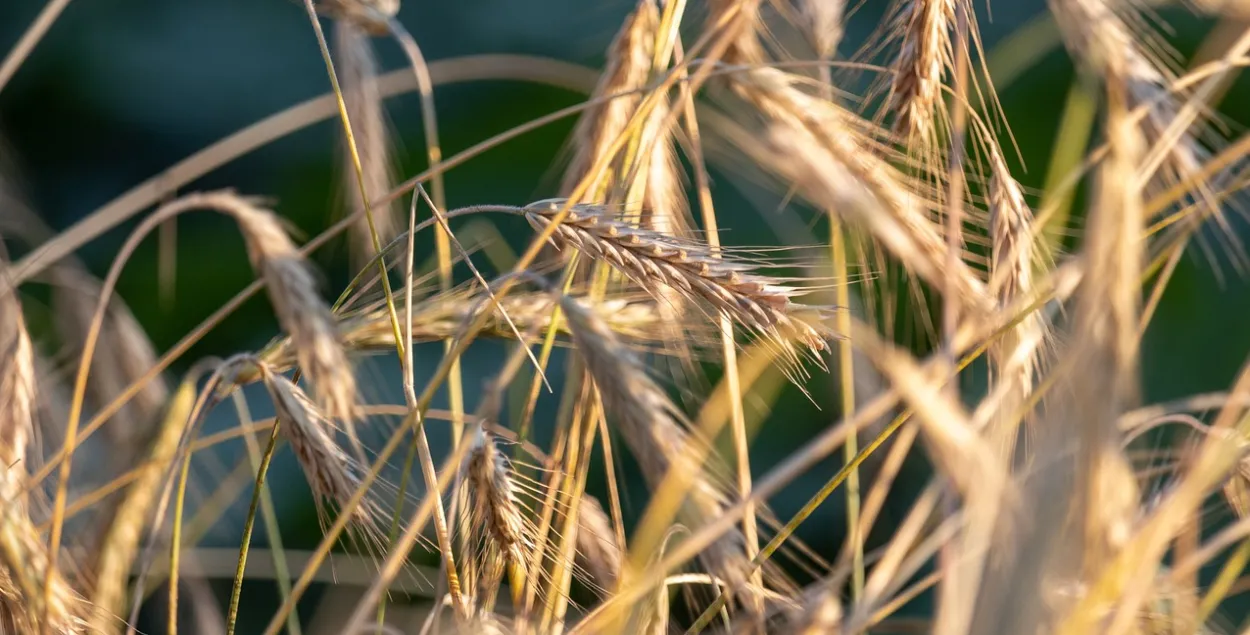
(1034, 519)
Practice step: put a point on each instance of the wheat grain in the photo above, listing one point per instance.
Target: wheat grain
(492, 499)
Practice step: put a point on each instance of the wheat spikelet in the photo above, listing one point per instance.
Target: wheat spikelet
(329, 471)
(744, 48)
(597, 551)
(300, 310)
(924, 55)
(628, 68)
(123, 354)
(357, 72)
(650, 259)
(650, 425)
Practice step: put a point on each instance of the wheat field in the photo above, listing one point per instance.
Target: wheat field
(544, 416)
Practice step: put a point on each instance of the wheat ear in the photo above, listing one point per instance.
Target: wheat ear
(924, 55)
(654, 260)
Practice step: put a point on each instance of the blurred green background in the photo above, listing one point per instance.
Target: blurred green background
(121, 89)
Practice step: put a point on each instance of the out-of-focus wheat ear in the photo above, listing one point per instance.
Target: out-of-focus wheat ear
(651, 426)
(821, 22)
(1105, 332)
(131, 515)
(926, 51)
(665, 207)
(1014, 253)
(357, 72)
(597, 552)
(329, 470)
(17, 387)
(628, 68)
(23, 570)
(1100, 33)
(301, 311)
(495, 512)
(123, 355)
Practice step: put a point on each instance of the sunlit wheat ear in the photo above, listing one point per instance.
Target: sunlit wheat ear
(357, 72)
(923, 57)
(655, 261)
(301, 311)
(1015, 251)
(652, 428)
(123, 354)
(628, 68)
(330, 472)
(17, 387)
(493, 507)
(598, 553)
(370, 15)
